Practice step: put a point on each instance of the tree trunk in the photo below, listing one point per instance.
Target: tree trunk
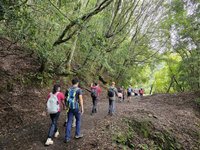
(178, 84)
(72, 54)
(151, 89)
(172, 81)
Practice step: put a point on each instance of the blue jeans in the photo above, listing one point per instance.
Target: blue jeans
(53, 128)
(71, 114)
(111, 107)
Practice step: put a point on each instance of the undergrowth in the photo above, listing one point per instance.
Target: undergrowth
(143, 135)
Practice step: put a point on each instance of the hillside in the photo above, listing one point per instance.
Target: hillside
(160, 121)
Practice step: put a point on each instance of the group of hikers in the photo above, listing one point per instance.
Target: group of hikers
(72, 102)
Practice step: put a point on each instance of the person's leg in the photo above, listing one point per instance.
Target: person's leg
(56, 132)
(93, 105)
(114, 108)
(56, 122)
(129, 96)
(78, 124)
(121, 99)
(53, 126)
(74, 122)
(110, 106)
(69, 125)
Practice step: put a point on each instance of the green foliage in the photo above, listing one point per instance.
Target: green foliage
(124, 139)
(125, 45)
(158, 140)
(143, 146)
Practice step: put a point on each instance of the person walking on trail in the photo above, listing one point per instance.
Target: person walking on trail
(54, 104)
(136, 91)
(75, 106)
(129, 92)
(141, 92)
(74, 119)
(112, 96)
(123, 92)
(120, 94)
(95, 93)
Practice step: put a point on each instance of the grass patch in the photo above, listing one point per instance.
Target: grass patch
(149, 137)
(124, 138)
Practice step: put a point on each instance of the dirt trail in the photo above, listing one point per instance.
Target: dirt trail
(171, 113)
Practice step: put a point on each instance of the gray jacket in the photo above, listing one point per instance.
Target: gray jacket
(115, 93)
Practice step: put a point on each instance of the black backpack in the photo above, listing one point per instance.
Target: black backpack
(94, 93)
(111, 92)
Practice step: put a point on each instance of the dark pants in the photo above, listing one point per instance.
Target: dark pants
(129, 94)
(111, 107)
(71, 114)
(53, 128)
(94, 102)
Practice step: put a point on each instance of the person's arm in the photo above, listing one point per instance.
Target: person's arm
(116, 91)
(63, 101)
(99, 90)
(81, 103)
(80, 97)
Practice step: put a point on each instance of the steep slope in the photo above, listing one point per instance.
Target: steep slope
(18, 94)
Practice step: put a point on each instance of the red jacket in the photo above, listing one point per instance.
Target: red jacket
(98, 90)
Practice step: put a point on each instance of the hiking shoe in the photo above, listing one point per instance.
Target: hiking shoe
(79, 136)
(56, 134)
(49, 142)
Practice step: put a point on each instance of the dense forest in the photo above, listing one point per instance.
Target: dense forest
(150, 44)
(146, 43)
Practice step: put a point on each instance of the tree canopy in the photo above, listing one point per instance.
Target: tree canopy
(146, 43)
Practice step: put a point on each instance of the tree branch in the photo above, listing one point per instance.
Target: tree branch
(84, 18)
